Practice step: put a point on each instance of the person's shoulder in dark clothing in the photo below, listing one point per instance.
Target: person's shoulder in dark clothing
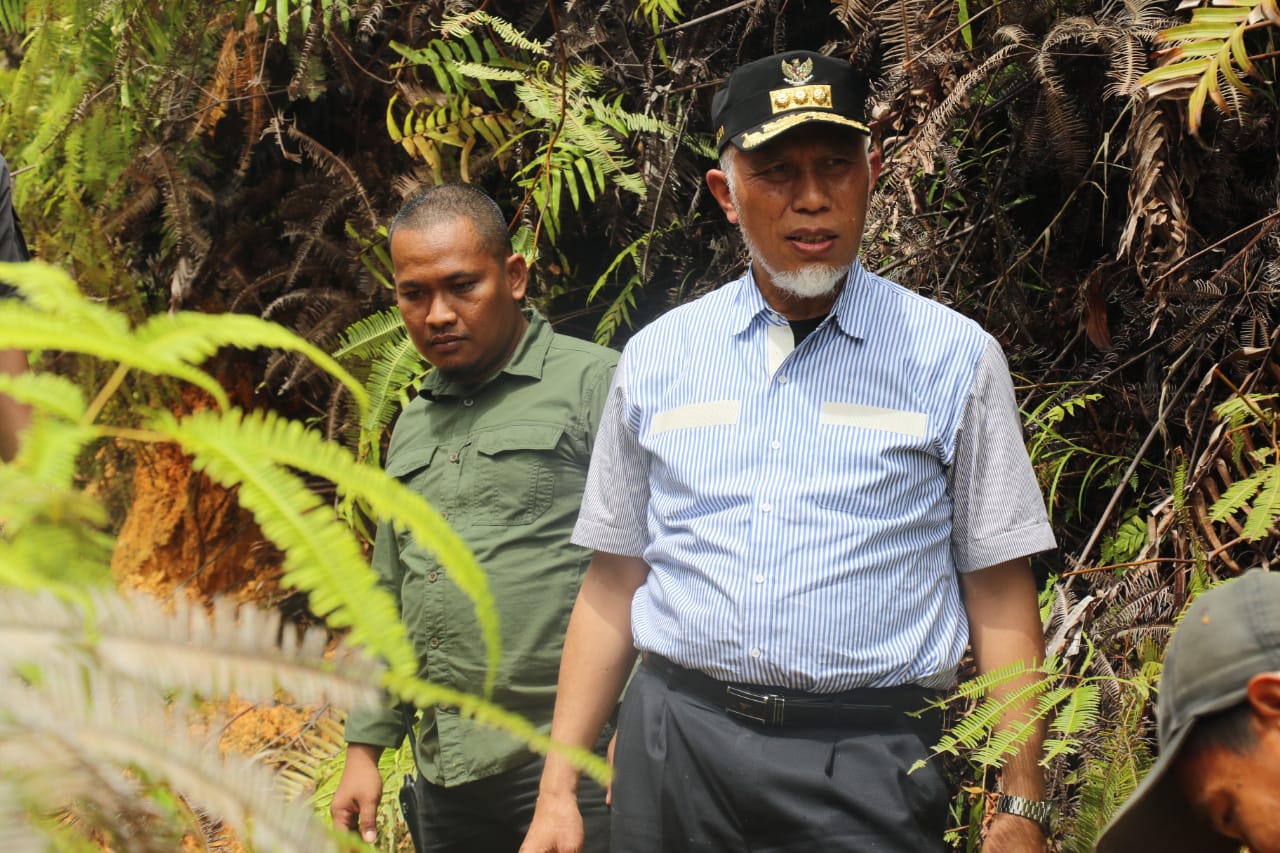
(12, 245)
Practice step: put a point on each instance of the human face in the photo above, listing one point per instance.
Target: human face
(1238, 794)
(801, 202)
(459, 302)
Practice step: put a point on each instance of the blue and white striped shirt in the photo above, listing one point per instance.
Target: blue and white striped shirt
(804, 510)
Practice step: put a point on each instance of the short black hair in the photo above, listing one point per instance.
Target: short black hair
(1230, 729)
(449, 202)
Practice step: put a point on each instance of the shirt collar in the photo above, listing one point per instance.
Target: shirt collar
(528, 360)
(852, 311)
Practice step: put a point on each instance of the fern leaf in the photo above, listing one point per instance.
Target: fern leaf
(366, 337)
(91, 725)
(459, 24)
(188, 649)
(394, 370)
(1236, 497)
(45, 392)
(1266, 506)
(266, 490)
(192, 337)
(490, 73)
(322, 557)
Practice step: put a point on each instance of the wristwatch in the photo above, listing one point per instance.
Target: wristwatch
(1040, 811)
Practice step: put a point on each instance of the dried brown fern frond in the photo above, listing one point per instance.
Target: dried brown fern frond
(327, 161)
(1157, 229)
(1130, 33)
(925, 145)
(857, 16)
(907, 28)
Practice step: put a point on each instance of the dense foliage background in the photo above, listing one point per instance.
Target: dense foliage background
(245, 158)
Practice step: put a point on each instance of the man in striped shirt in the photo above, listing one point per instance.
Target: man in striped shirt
(809, 494)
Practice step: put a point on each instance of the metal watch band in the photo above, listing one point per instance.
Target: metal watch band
(1040, 811)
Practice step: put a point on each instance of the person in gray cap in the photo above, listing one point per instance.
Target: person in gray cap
(809, 493)
(1216, 784)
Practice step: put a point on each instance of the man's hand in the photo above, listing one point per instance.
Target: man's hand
(556, 826)
(1010, 833)
(355, 803)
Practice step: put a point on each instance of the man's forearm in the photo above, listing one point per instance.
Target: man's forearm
(1004, 628)
(598, 657)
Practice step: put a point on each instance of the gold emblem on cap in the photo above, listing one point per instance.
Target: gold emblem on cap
(797, 73)
(770, 129)
(799, 97)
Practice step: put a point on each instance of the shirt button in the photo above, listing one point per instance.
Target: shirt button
(776, 445)
(782, 380)
(468, 402)
(755, 653)
(432, 577)
(435, 642)
(759, 578)
(453, 457)
(766, 507)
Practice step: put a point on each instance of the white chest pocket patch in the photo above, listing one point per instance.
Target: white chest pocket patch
(874, 417)
(715, 413)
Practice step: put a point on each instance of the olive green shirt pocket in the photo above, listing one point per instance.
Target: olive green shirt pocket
(514, 484)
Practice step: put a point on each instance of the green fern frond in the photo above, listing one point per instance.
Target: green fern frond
(1209, 56)
(460, 24)
(367, 337)
(1237, 496)
(267, 491)
(322, 557)
(13, 22)
(55, 316)
(1266, 506)
(490, 73)
(45, 392)
(982, 684)
(392, 373)
(50, 291)
(193, 337)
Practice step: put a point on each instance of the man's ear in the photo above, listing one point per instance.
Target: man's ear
(875, 162)
(517, 275)
(718, 183)
(1264, 696)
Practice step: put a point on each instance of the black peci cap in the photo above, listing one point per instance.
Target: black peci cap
(772, 95)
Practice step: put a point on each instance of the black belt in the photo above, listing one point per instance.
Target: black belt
(879, 708)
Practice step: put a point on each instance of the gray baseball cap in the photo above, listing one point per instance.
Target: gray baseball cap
(1228, 635)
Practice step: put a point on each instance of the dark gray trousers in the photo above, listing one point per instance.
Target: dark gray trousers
(492, 815)
(691, 778)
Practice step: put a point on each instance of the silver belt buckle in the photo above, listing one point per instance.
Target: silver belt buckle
(763, 708)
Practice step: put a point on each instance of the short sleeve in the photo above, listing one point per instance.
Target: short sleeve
(999, 513)
(615, 503)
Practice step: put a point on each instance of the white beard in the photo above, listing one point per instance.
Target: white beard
(809, 282)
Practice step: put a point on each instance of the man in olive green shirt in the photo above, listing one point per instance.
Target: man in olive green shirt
(499, 442)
